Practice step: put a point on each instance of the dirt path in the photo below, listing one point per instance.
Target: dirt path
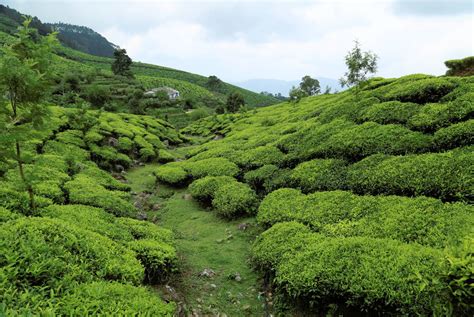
(215, 277)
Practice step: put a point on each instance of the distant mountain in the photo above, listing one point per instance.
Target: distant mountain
(83, 39)
(80, 38)
(276, 86)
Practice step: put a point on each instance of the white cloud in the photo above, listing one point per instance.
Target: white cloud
(283, 39)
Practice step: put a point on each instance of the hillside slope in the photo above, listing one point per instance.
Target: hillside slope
(367, 197)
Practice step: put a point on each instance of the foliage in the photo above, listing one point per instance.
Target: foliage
(173, 175)
(323, 174)
(296, 94)
(122, 63)
(442, 175)
(310, 86)
(360, 64)
(234, 102)
(460, 67)
(234, 199)
(205, 188)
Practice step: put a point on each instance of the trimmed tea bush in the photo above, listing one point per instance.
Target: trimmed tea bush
(211, 167)
(141, 229)
(321, 174)
(419, 91)
(434, 116)
(390, 112)
(234, 199)
(426, 221)
(158, 258)
(43, 257)
(459, 134)
(84, 190)
(204, 189)
(165, 156)
(268, 178)
(442, 175)
(173, 175)
(6, 215)
(113, 299)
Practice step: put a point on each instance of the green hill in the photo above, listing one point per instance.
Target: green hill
(367, 199)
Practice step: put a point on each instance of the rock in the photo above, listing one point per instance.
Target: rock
(187, 197)
(207, 273)
(156, 207)
(235, 276)
(218, 137)
(119, 168)
(172, 293)
(213, 285)
(243, 226)
(142, 216)
(166, 143)
(112, 142)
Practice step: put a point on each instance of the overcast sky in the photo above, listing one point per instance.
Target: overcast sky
(275, 39)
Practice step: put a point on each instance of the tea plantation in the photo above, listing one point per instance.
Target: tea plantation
(366, 198)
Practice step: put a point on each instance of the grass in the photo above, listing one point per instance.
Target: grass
(205, 241)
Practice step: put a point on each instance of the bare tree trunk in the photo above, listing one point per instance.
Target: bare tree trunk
(29, 188)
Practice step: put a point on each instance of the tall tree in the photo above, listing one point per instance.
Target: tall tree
(234, 102)
(359, 65)
(310, 86)
(214, 83)
(122, 63)
(296, 94)
(25, 80)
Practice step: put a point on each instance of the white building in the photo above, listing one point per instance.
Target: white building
(172, 93)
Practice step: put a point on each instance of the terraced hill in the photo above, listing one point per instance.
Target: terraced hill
(366, 198)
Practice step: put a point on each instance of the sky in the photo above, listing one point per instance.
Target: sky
(240, 40)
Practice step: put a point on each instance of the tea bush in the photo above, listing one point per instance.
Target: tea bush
(456, 135)
(112, 298)
(165, 156)
(140, 229)
(211, 167)
(447, 175)
(234, 199)
(173, 175)
(158, 258)
(6, 215)
(269, 178)
(44, 257)
(204, 189)
(83, 190)
(426, 221)
(322, 174)
(390, 112)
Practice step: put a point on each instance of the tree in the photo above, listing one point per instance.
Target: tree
(234, 102)
(310, 86)
(25, 80)
(214, 83)
(327, 90)
(122, 63)
(296, 94)
(360, 64)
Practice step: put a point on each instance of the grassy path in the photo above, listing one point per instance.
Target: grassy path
(204, 241)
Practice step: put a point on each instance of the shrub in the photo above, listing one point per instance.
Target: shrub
(211, 167)
(433, 116)
(260, 156)
(173, 175)
(145, 230)
(43, 257)
(268, 178)
(67, 151)
(460, 67)
(18, 201)
(84, 190)
(320, 174)
(74, 137)
(234, 199)
(426, 221)
(6, 215)
(419, 91)
(459, 134)
(103, 178)
(369, 138)
(125, 144)
(204, 189)
(157, 257)
(107, 155)
(441, 175)
(165, 156)
(368, 274)
(90, 218)
(112, 298)
(390, 112)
